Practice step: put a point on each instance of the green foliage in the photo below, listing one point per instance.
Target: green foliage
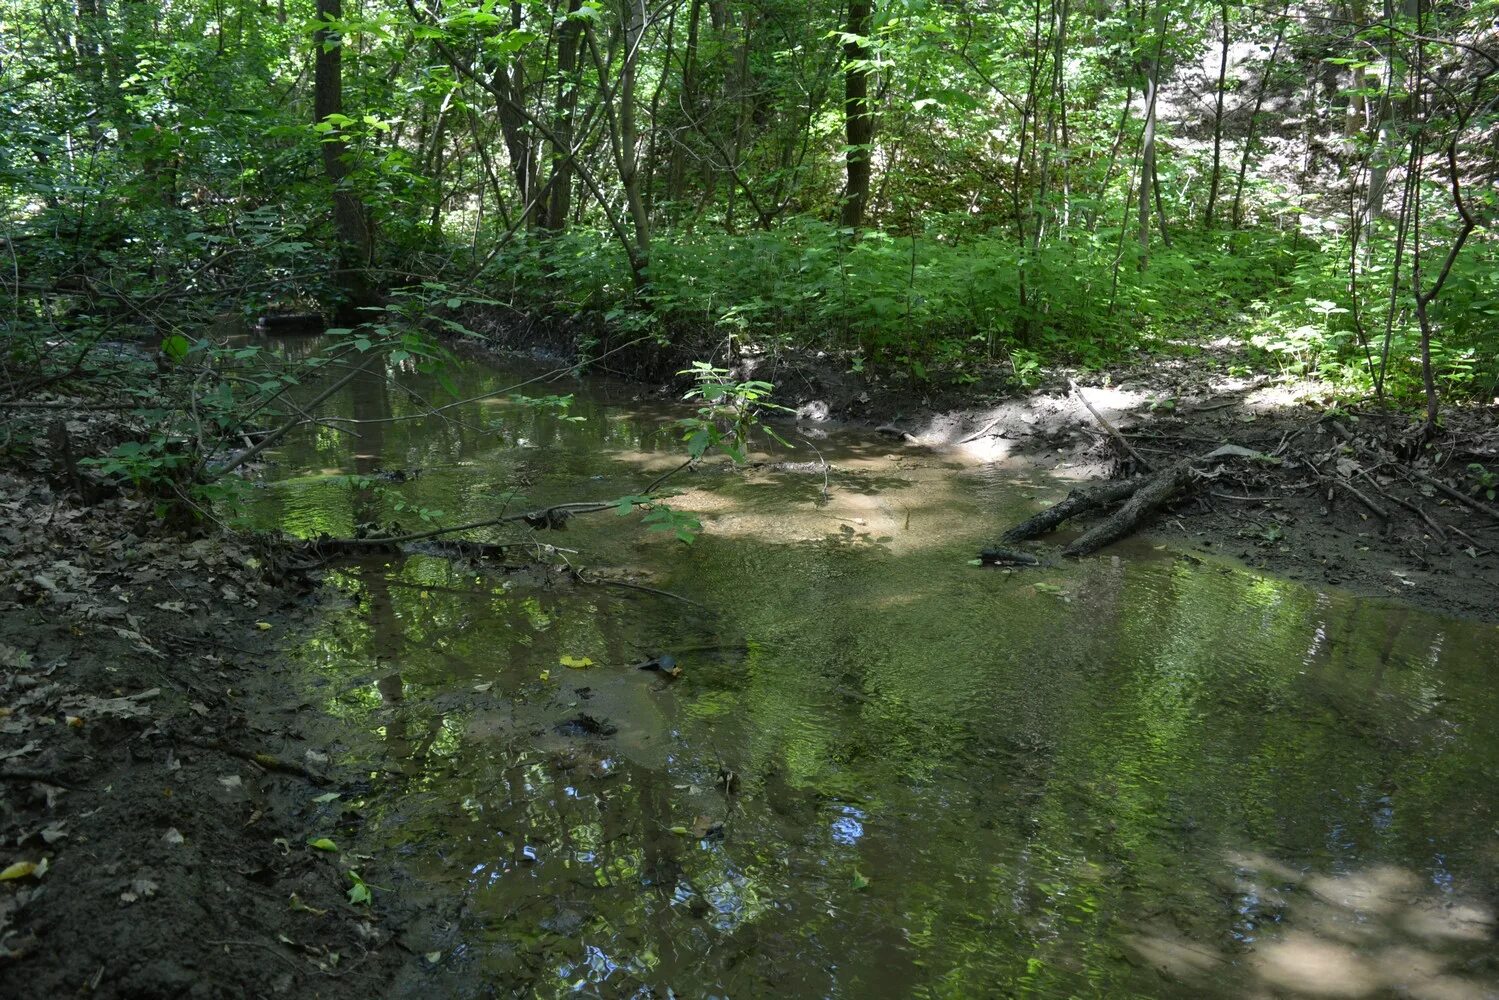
(732, 410)
(1485, 483)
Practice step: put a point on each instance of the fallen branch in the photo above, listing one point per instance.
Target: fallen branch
(978, 434)
(1431, 522)
(1457, 495)
(30, 775)
(1358, 495)
(577, 575)
(268, 761)
(1151, 495)
(544, 517)
(1077, 502)
(1113, 431)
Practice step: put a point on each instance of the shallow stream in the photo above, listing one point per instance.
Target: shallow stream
(882, 772)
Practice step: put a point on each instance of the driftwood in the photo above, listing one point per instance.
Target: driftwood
(1153, 494)
(995, 556)
(1077, 502)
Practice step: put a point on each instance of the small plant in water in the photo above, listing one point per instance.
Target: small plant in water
(732, 410)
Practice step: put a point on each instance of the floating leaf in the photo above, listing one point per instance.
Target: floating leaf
(323, 844)
(546, 675)
(859, 882)
(681, 831)
(263, 626)
(576, 662)
(359, 893)
(481, 688)
(20, 869)
(325, 797)
(433, 957)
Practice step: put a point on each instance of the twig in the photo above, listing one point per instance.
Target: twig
(280, 432)
(1431, 522)
(1457, 495)
(1215, 406)
(268, 761)
(825, 494)
(1358, 495)
(578, 575)
(1113, 432)
(987, 428)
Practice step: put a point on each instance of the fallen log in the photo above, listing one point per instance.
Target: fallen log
(1077, 502)
(1149, 497)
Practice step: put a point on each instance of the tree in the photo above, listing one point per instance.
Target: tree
(858, 112)
(351, 223)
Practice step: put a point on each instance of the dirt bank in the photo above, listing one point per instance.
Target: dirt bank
(161, 782)
(1343, 495)
(1353, 497)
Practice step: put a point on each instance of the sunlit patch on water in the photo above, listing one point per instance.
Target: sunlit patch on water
(882, 772)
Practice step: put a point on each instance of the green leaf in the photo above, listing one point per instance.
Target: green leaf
(322, 844)
(359, 892)
(176, 347)
(859, 882)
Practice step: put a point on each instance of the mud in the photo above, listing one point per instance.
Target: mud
(1283, 518)
(140, 679)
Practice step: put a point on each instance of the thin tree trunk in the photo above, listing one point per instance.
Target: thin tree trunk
(350, 224)
(858, 115)
(1254, 117)
(629, 139)
(1147, 144)
(558, 202)
(1218, 120)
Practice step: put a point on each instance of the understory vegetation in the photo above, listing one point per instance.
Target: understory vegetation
(920, 189)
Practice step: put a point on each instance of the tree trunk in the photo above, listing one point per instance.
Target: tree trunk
(350, 224)
(558, 202)
(1218, 121)
(629, 140)
(1254, 116)
(1147, 146)
(858, 115)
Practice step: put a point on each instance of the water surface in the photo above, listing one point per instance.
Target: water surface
(882, 772)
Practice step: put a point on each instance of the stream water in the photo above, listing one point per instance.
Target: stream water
(882, 772)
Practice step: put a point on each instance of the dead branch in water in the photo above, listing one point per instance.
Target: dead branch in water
(1077, 502)
(1139, 498)
(1151, 495)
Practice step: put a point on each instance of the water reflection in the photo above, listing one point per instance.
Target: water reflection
(884, 773)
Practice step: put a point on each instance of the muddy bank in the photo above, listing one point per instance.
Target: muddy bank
(161, 779)
(1349, 496)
